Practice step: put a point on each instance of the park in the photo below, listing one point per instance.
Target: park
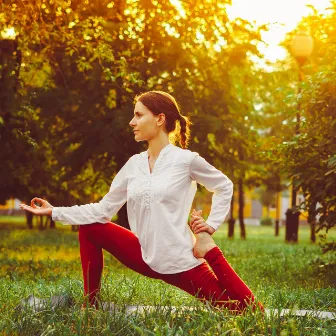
(256, 79)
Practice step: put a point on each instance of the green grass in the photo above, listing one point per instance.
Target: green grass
(46, 263)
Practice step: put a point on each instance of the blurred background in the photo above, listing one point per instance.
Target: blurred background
(257, 78)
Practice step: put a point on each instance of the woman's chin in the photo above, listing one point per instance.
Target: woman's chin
(137, 137)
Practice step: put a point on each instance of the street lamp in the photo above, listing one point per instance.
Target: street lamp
(302, 46)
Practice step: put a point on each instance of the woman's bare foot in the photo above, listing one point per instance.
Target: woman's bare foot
(204, 243)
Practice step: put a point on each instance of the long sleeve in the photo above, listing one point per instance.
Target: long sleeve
(101, 212)
(214, 181)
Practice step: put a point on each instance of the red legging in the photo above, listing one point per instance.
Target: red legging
(221, 286)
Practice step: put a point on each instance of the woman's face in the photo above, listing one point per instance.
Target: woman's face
(145, 124)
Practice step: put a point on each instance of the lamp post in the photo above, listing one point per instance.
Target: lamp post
(301, 47)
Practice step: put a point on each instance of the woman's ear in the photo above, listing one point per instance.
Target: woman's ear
(161, 119)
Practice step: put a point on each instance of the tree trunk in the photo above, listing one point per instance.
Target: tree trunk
(231, 221)
(29, 219)
(41, 225)
(277, 215)
(313, 231)
(277, 227)
(241, 208)
(312, 221)
(292, 220)
(122, 217)
(51, 223)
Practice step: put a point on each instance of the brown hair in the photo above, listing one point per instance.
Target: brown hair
(162, 102)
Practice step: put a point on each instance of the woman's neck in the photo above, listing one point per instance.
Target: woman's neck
(155, 147)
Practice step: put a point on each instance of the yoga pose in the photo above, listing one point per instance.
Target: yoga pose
(159, 186)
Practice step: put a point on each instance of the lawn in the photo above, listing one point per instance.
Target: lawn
(46, 263)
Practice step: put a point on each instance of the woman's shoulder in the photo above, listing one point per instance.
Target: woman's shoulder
(135, 158)
(132, 161)
(186, 154)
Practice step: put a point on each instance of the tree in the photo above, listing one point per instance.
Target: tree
(310, 155)
(84, 62)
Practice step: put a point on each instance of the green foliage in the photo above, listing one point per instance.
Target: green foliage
(82, 63)
(266, 221)
(309, 158)
(307, 155)
(266, 197)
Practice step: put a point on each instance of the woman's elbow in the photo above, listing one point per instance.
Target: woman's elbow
(225, 187)
(230, 184)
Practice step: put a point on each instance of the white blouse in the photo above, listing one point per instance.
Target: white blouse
(158, 205)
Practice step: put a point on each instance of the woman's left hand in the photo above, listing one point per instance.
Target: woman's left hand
(198, 224)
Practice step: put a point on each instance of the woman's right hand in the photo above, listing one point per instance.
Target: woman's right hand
(44, 210)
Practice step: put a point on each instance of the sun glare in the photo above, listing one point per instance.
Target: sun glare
(8, 33)
(282, 17)
(179, 7)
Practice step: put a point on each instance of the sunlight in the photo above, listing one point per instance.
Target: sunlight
(179, 7)
(8, 33)
(283, 16)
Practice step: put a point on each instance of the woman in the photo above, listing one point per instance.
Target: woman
(159, 186)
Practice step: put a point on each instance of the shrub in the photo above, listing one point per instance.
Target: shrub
(266, 221)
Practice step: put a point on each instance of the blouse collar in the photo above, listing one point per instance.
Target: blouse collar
(144, 165)
(162, 152)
